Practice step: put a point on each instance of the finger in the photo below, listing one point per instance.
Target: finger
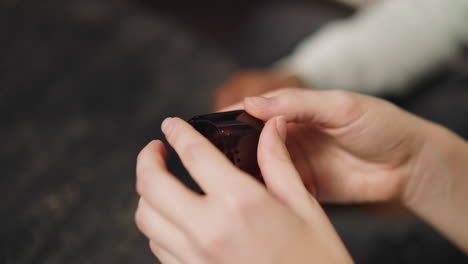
(301, 160)
(328, 109)
(207, 165)
(240, 105)
(162, 190)
(279, 173)
(162, 232)
(163, 256)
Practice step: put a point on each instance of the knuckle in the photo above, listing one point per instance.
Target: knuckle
(215, 242)
(292, 96)
(139, 219)
(160, 253)
(289, 94)
(347, 105)
(244, 205)
(344, 100)
(155, 249)
(294, 100)
(143, 181)
(190, 151)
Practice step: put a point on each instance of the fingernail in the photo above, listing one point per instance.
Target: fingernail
(166, 125)
(281, 127)
(258, 101)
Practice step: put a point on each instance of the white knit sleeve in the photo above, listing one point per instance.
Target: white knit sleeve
(384, 47)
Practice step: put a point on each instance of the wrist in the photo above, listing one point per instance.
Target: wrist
(433, 165)
(436, 189)
(318, 247)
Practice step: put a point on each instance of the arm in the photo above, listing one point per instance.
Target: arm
(384, 48)
(438, 190)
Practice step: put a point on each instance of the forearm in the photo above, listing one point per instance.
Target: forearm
(438, 189)
(384, 48)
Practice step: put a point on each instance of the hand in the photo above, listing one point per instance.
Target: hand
(355, 148)
(238, 220)
(250, 83)
(347, 147)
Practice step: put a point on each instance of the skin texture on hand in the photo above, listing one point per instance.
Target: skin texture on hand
(250, 83)
(352, 148)
(439, 191)
(238, 220)
(347, 147)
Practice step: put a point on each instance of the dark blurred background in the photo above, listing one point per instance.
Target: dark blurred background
(85, 84)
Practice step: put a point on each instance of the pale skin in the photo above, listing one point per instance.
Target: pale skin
(341, 147)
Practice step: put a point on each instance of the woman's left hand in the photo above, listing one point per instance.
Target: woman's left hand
(238, 220)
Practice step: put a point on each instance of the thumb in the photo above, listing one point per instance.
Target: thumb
(280, 176)
(326, 109)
